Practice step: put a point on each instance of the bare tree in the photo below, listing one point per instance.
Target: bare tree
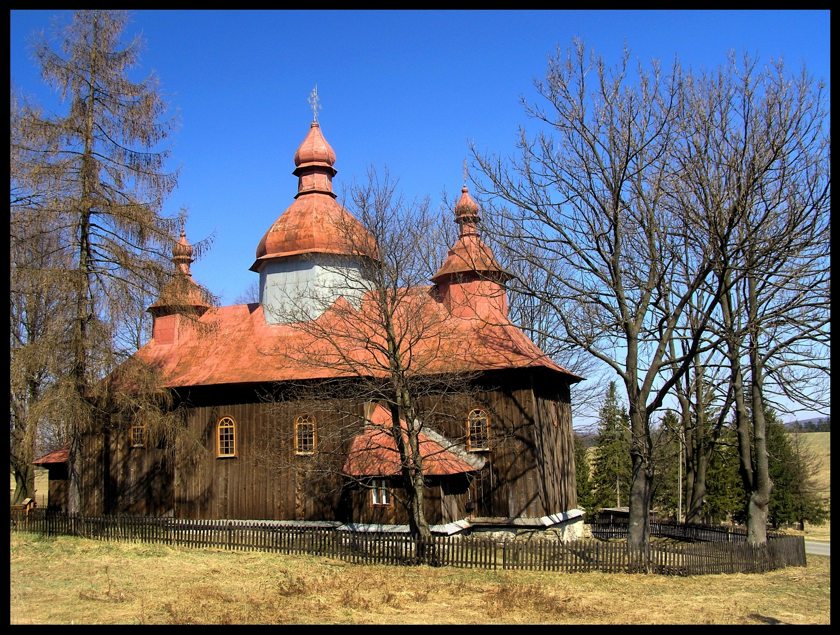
(103, 183)
(757, 153)
(250, 295)
(386, 340)
(588, 202)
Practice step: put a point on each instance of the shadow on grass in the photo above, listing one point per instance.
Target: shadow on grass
(765, 619)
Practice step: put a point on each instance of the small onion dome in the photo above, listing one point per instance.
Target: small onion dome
(469, 254)
(182, 253)
(466, 209)
(314, 150)
(181, 293)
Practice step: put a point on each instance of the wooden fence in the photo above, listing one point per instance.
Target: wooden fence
(679, 531)
(540, 554)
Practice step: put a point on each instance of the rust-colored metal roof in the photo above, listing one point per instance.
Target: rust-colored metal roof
(315, 222)
(58, 456)
(234, 344)
(469, 254)
(374, 451)
(182, 292)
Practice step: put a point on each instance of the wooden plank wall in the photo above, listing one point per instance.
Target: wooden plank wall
(266, 480)
(530, 469)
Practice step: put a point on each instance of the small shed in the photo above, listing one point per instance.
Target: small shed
(56, 465)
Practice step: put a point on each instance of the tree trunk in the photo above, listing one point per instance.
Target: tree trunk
(640, 485)
(759, 505)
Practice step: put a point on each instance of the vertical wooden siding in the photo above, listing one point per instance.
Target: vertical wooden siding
(529, 471)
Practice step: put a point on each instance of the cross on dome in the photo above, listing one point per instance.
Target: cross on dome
(314, 103)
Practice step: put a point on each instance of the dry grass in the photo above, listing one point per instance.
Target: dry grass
(42, 486)
(71, 580)
(818, 444)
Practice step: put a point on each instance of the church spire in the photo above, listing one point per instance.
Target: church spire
(181, 294)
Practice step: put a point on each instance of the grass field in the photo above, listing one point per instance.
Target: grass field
(68, 580)
(818, 444)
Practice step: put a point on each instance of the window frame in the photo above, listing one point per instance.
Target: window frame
(306, 420)
(485, 446)
(133, 431)
(233, 441)
(380, 493)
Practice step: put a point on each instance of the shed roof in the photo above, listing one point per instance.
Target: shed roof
(374, 451)
(57, 456)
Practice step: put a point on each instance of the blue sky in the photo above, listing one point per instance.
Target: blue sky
(402, 90)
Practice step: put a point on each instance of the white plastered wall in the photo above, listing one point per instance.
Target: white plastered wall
(303, 287)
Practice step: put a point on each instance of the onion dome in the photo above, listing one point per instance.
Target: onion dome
(182, 254)
(181, 293)
(466, 212)
(315, 151)
(469, 257)
(315, 222)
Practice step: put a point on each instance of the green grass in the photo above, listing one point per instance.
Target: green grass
(68, 580)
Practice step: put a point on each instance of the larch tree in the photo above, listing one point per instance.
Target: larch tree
(38, 301)
(102, 181)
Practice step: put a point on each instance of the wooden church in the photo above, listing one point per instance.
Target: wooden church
(255, 446)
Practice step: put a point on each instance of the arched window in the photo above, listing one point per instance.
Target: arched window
(478, 430)
(226, 437)
(306, 437)
(137, 436)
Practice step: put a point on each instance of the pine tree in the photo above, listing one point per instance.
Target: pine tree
(667, 487)
(612, 464)
(725, 498)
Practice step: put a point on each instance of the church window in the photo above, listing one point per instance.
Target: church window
(137, 436)
(478, 430)
(226, 437)
(306, 437)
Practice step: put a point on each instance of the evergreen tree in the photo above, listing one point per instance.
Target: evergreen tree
(667, 475)
(612, 463)
(585, 495)
(794, 499)
(725, 498)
